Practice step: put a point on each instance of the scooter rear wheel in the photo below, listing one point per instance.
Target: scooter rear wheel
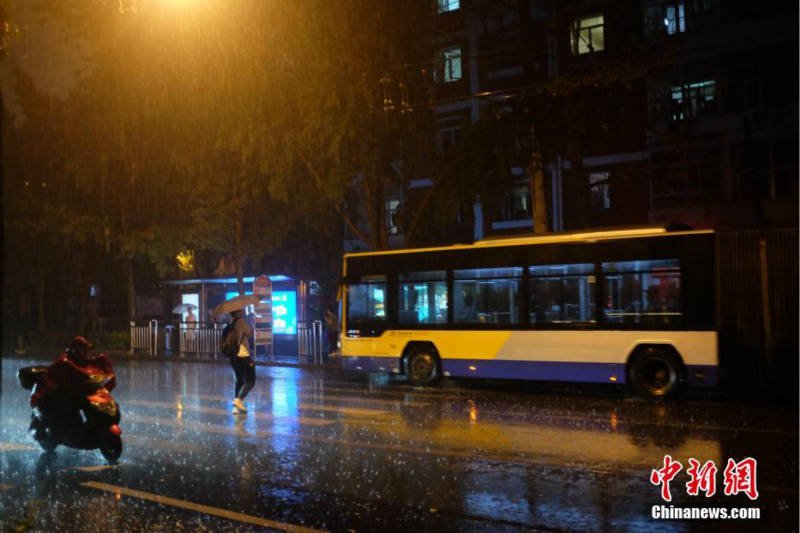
(112, 448)
(42, 434)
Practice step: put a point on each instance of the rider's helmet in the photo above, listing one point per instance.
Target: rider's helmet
(79, 348)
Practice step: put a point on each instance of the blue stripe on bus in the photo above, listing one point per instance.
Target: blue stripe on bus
(697, 375)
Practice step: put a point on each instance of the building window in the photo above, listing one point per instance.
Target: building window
(702, 5)
(517, 203)
(675, 18)
(692, 100)
(587, 35)
(450, 65)
(423, 298)
(562, 294)
(599, 192)
(450, 137)
(391, 216)
(445, 6)
(645, 293)
(487, 295)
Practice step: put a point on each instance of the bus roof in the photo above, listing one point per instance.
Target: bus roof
(587, 235)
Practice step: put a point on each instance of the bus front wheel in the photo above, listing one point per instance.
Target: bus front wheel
(422, 366)
(657, 374)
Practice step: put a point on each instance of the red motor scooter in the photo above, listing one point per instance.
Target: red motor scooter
(88, 421)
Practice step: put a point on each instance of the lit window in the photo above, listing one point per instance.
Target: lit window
(450, 65)
(692, 99)
(391, 216)
(599, 195)
(587, 35)
(366, 301)
(423, 298)
(445, 6)
(674, 18)
(517, 203)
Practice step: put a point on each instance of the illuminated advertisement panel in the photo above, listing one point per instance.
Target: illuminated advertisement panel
(284, 311)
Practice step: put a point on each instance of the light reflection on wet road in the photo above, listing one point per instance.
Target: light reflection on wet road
(333, 451)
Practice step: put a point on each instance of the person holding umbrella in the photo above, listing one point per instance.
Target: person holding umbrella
(242, 362)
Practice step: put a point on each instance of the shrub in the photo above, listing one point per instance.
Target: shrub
(61, 339)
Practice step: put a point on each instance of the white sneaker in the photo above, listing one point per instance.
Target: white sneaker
(239, 404)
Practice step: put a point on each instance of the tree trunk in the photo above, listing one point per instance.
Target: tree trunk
(41, 286)
(130, 288)
(239, 254)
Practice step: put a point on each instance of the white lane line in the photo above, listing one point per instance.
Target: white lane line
(96, 468)
(16, 447)
(180, 406)
(214, 511)
(305, 406)
(199, 426)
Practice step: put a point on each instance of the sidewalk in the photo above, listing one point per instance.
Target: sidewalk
(292, 361)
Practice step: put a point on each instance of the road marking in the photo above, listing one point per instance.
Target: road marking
(305, 406)
(96, 468)
(180, 406)
(214, 511)
(16, 447)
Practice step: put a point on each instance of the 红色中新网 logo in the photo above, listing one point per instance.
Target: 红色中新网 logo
(738, 477)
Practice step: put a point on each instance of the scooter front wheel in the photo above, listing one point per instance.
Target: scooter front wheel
(112, 448)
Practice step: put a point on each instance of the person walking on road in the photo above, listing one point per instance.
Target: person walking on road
(244, 367)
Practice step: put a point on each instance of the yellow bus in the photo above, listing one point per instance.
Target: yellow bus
(626, 306)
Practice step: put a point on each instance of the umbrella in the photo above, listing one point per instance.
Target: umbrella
(236, 303)
(184, 308)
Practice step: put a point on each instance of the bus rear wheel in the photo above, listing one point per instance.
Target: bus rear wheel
(657, 374)
(422, 366)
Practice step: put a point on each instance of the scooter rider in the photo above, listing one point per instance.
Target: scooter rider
(68, 383)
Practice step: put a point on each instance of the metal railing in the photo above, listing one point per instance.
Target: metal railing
(145, 338)
(310, 340)
(187, 339)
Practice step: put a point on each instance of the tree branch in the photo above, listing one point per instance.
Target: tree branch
(347, 220)
(427, 198)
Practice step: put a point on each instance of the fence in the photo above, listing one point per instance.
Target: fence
(757, 314)
(145, 338)
(197, 341)
(310, 340)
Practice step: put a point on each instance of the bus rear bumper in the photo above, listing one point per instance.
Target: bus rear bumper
(702, 375)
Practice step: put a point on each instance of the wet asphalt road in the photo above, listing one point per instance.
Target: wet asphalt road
(334, 451)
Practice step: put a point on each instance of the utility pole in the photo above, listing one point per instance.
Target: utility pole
(537, 187)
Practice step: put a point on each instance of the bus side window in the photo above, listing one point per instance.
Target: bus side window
(643, 293)
(366, 302)
(487, 295)
(423, 297)
(562, 294)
